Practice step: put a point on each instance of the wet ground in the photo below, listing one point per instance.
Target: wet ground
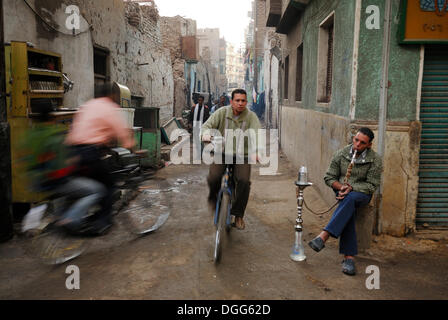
(175, 262)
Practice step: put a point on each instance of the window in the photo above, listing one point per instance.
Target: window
(325, 59)
(100, 65)
(199, 85)
(286, 77)
(299, 73)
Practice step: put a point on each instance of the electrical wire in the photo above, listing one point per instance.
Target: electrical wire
(49, 25)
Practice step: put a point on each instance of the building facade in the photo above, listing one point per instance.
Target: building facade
(116, 40)
(347, 64)
(210, 38)
(234, 67)
(179, 36)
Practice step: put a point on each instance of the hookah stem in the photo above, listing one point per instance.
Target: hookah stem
(350, 167)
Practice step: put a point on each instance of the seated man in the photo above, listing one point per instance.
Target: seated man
(235, 116)
(364, 180)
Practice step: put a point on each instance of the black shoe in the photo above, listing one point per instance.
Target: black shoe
(348, 267)
(317, 244)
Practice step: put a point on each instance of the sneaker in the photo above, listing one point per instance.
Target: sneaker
(348, 267)
(317, 244)
(239, 223)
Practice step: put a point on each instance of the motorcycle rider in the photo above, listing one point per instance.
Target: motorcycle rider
(96, 127)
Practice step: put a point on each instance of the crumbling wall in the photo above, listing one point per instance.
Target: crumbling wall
(173, 29)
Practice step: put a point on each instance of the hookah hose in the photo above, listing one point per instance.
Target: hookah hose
(349, 169)
(347, 176)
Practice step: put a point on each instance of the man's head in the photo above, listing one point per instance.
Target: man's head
(239, 101)
(222, 100)
(363, 139)
(201, 100)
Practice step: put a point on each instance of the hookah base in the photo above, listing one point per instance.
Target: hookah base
(297, 257)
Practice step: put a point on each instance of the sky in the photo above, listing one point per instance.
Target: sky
(230, 16)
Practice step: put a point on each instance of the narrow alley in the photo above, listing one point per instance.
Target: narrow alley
(99, 98)
(176, 261)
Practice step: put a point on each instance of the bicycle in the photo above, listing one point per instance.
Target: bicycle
(54, 245)
(223, 218)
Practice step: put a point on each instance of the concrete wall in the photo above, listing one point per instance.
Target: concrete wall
(310, 138)
(403, 70)
(330, 125)
(271, 76)
(401, 165)
(129, 45)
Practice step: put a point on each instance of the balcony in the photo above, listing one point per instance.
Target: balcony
(284, 14)
(274, 12)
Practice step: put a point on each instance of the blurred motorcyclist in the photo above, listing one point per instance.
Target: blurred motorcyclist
(96, 127)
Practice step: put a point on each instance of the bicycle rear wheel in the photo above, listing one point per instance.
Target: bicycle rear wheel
(221, 226)
(53, 245)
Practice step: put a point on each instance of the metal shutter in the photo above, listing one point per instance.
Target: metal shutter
(432, 205)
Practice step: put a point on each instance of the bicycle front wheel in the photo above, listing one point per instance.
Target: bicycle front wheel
(220, 226)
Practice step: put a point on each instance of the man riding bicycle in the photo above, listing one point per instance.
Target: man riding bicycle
(233, 117)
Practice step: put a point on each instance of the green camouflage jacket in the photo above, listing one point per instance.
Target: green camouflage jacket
(366, 173)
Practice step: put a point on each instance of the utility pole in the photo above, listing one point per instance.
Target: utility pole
(6, 224)
(382, 121)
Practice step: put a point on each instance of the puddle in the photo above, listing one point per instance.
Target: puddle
(180, 182)
(159, 191)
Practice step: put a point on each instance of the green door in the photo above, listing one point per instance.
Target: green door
(432, 205)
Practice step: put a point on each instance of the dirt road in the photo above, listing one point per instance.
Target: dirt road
(175, 262)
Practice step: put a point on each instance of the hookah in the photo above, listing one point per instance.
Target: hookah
(350, 167)
(298, 251)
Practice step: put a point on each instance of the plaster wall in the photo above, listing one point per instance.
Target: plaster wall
(404, 63)
(310, 139)
(129, 45)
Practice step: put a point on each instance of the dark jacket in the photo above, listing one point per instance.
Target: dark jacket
(206, 113)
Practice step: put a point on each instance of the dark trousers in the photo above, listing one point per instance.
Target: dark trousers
(241, 172)
(96, 169)
(342, 223)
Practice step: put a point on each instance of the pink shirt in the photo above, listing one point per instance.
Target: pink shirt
(99, 122)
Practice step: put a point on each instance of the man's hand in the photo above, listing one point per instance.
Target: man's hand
(343, 191)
